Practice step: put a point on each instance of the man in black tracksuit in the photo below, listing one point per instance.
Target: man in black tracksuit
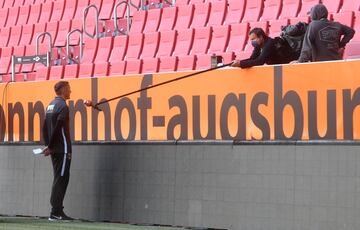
(322, 41)
(56, 133)
(264, 51)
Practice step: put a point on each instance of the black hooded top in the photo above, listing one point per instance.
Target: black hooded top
(323, 38)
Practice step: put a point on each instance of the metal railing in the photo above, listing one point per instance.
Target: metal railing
(128, 22)
(160, 5)
(68, 43)
(50, 43)
(85, 13)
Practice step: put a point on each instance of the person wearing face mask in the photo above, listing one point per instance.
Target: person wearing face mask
(264, 51)
(324, 40)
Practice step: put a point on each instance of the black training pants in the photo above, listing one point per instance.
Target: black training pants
(61, 165)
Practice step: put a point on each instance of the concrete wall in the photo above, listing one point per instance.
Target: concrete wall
(250, 187)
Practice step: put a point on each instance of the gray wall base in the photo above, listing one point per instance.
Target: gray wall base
(259, 187)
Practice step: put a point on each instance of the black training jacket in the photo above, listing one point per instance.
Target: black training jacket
(56, 130)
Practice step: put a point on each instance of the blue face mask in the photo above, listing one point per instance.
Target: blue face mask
(254, 44)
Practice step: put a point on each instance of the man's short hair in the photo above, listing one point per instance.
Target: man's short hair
(58, 86)
(258, 32)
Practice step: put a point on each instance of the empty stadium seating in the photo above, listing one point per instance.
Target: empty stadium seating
(161, 39)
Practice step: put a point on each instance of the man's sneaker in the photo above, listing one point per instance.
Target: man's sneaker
(61, 217)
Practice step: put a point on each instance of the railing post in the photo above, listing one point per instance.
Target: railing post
(85, 11)
(128, 24)
(68, 43)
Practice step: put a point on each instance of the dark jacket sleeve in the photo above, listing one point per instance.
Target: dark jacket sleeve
(261, 57)
(45, 133)
(306, 50)
(348, 35)
(59, 124)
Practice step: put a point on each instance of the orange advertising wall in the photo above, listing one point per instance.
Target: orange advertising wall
(297, 102)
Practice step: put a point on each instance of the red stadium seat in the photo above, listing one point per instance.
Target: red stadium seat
(38, 28)
(196, 1)
(350, 5)
(219, 40)
(167, 44)
(275, 27)
(97, 3)
(18, 3)
(333, 6)
(70, 9)
(24, 13)
(117, 68)
(235, 11)
(202, 40)
(8, 3)
(153, 20)
(27, 34)
(107, 9)
(52, 28)
(184, 41)
(12, 17)
(42, 74)
(134, 7)
(184, 17)
(306, 7)
(81, 5)
(56, 72)
(58, 10)
(186, 63)
(15, 36)
(352, 50)
(121, 11)
(101, 69)
(238, 37)
(35, 11)
(86, 70)
(138, 22)
(168, 19)
(133, 67)
(151, 45)
(3, 17)
(182, 2)
(4, 36)
(91, 28)
(135, 45)
(119, 49)
(104, 50)
(253, 10)
(71, 71)
(150, 65)
(357, 27)
(46, 11)
(64, 28)
(201, 15)
(218, 12)
(168, 64)
(272, 10)
(5, 59)
(28, 2)
(90, 49)
(346, 18)
(203, 61)
(262, 25)
(290, 9)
